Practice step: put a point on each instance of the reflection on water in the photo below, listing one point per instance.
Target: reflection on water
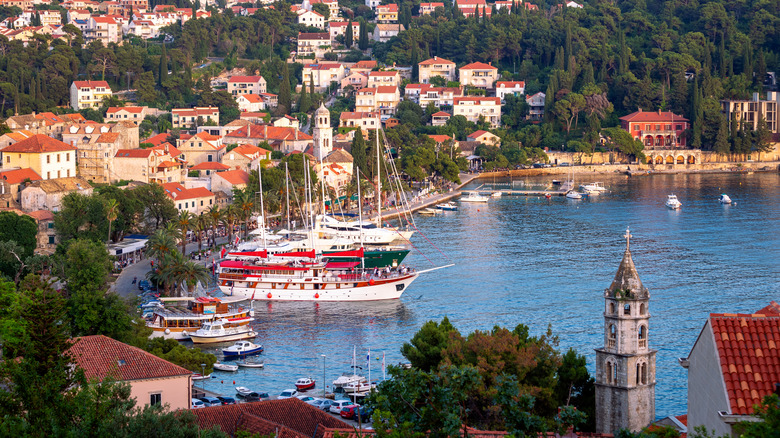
(537, 261)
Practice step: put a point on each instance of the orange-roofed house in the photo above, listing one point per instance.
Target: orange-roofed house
(387, 13)
(364, 66)
(246, 85)
(440, 118)
(436, 67)
(207, 168)
(473, 107)
(478, 74)
(430, 8)
(152, 380)
(48, 157)
(228, 180)
(311, 19)
(284, 139)
(380, 78)
(103, 28)
(88, 94)
(484, 137)
(13, 181)
(43, 123)
(733, 364)
(245, 156)
(195, 200)
(190, 118)
(13, 137)
(135, 114)
(313, 43)
(383, 99)
(503, 88)
(251, 103)
(152, 165)
(656, 129)
(322, 74)
(201, 147)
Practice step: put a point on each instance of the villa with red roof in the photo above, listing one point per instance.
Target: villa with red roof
(135, 114)
(245, 156)
(195, 200)
(436, 67)
(387, 13)
(732, 366)
(153, 381)
(380, 78)
(201, 147)
(228, 180)
(151, 165)
(516, 88)
(473, 107)
(440, 118)
(478, 74)
(13, 181)
(189, 118)
(48, 157)
(88, 94)
(484, 137)
(656, 129)
(246, 85)
(429, 8)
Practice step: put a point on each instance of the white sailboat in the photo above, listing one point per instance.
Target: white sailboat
(352, 376)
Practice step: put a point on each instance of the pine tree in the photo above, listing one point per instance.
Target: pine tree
(304, 102)
(722, 140)
(348, 36)
(722, 56)
(568, 48)
(359, 151)
(285, 95)
(414, 61)
(363, 40)
(747, 61)
(734, 132)
(163, 73)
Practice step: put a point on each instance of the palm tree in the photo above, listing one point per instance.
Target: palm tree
(191, 273)
(215, 216)
(176, 270)
(112, 212)
(229, 217)
(172, 228)
(160, 244)
(201, 224)
(243, 199)
(184, 223)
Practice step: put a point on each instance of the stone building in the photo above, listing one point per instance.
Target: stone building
(625, 366)
(323, 133)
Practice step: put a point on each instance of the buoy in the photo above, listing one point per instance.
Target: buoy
(234, 382)
(371, 282)
(222, 382)
(316, 295)
(269, 295)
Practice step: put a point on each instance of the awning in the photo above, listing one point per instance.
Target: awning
(261, 254)
(309, 254)
(354, 253)
(240, 265)
(341, 265)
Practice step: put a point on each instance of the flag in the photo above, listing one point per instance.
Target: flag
(236, 242)
(222, 253)
(213, 267)
(368, 358)
(253, 297)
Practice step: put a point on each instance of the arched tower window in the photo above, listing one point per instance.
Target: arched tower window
(612, 308)
(642, 335)
(610, 370)
(642, 309)
(638, 374)
(627, 309)
(644, 374)
(612, 336)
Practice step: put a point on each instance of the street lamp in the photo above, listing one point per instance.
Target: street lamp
(202, 375)
(323, 375)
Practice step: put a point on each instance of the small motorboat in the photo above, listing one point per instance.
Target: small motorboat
(672, 202)
(221, 331)
(199, 376)
(304, 383)
(429, 212)
(556, 182)
(248, 363)
(474, 197)
(447, 206)
(547, 195)
(243, 391)
(593, 187)
(242, 349)
(358, 387)
(495, 195)
(724, 199)
(573, 194)
(225, 367)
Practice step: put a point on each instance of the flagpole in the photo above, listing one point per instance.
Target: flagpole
(369, 368)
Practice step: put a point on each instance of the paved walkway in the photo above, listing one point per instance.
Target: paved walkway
(428, 201)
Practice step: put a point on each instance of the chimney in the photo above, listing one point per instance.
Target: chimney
(659, 111)
(265, 132)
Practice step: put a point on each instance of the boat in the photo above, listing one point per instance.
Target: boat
(334, 249)
(243, 391)
(175, 321)
(305, 277)
(248, 363)
(225, 367)
(376, 257)
(593, 187)
(672, 202)
(358, 387)
(573, 194)
(366, 232)
(447, 206)
(429, 212)
(495, 195)
(474, 197)
(547, 195)
(241, 349)
(724, 199)
(304, 383)
(350, 376)
(199, 376)
(556, 182)
(591, 192)
(221, 331)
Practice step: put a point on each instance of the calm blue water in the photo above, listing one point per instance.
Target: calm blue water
(539, 262)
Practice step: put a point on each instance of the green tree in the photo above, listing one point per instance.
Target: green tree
(21, 229)
(285, 95)
(363, 37)
(348, 36)
(304, 102)
(763, 137)
(158, 208)
(424, 350)
(769, 426)
(162, 74)
(322, 9)
(112, 212)
(145, 89)
(82, 216)
(358, 152)
(88, 265)
(722, 145)
(621, 140)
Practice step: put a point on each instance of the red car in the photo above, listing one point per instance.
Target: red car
(349, 412)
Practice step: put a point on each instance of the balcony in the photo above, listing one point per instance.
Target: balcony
(643, 343)
(611, 343)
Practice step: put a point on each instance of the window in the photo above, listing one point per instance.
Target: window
(612, 308)
(627, 309)
(610, 370)
(58, 174)
(67, 173)
(51, 240)
(58, 158)
(48, 159)
(48, 175)
(209, 158)
(67, 156)
(155, 399)
(642, 309)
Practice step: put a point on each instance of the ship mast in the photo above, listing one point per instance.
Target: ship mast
(287, 193)
(378, 185)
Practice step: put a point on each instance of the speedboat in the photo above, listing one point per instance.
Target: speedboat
(221, 331)
(241, 349)
(593, 187)
(248, 363)
(347, 379)
(447, 206)
(672, 202)
(225, 367)
(358, 387)
(199, 376)
(243, 391)
(304, 383)
(474, 197)
(495, 195)
(724, 199)
(428, 212)
(572, 194)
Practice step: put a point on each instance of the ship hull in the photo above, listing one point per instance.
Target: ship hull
(387, 289)
(374, 259)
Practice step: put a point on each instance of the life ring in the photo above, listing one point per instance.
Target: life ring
(289, 280)
(316, 295)
(371, 282)
(269, 295)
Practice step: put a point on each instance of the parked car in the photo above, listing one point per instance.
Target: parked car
(210, 401)
(197, 404)
(144, 284)
(365, 414)
(305, 398)
(256, 396)
(287, 393)
(326, 404)
(338, 405)
(565, 164)
(538, 165)
(317, 402)
(227, 400)
(349, 412)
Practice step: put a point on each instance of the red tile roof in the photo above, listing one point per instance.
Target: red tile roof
(478, 100)
(478, 66)
(242, 79)
(510, 84)
(353, 433)
(365, 64)
(772, 309)
(440, 138)
(653, 116)
(290, 418)
(19, 175)
(749, 351)
(313, 36)
(441, 114)
(249, 150)
(157, 139)
(266, 132)
(210, 165)
(37, 144)
(234, 177)
(108, 137)
(91, 84)
(436, 60)
(41, 215)
(100, 356)
(169, 164)
(383, 73)
(133, 153)
(129, 109)
(178, 192)
(392, 7)
(476, 134)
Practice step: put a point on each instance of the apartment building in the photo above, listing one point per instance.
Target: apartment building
(387, 13)
(474, 107)
(382, 99)
(88, 94)
(151, 165)
(337, 28)
(436, 67)
(201, 147)
(478, 74)
(363, 120)
(322, 74)
(246, 85)
(133, 114)
(503, 88)
(48, 157)
(313, 44)
(382, 78)
(190, 118)
(750, 111)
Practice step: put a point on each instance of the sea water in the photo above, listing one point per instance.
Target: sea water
(543, 262)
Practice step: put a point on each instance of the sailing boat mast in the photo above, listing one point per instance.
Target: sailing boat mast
(360, 213)
(309, 199)
(262, 206)
(378, 185)
(287, 192)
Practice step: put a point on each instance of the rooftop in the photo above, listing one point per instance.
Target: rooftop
(436, 60)
(19, 175)
(37, 144)
(234, 177)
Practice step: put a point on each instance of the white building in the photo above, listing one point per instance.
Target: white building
(311, 18)
(383, 100)
(436, 67)
(474, 107)
(380, 78)
(135, 114)
(478, 74)
(322, 133)
(246, 85)
(88, 94)
(322, 74)
(384, 31)
(503, 88)
(313, 44)
(536, 106)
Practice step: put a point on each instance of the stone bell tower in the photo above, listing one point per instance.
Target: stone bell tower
(625, 366)
(322, 133)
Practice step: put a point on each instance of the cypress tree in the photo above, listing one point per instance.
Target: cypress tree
(734, 131)
(285, 96)
(560, 58)
(304, 102)
(698, 111)
(311, 89)
(363, 40)
(722, 56)
(348, 36)
(359, 151)
(722, 139)
(747, 62)
(163, 73)
(414, 61)
(476, 14)
(568, 49)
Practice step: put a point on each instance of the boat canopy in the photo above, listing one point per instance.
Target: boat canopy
(309, 254)
(240, 265)
(341, 265)
(352, 253)
(208, 300)
(262, 254)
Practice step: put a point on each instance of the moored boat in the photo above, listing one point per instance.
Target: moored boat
(377, 257)
(672, 202)
(724, 199)
(242, 390)
(429, 212)
(225, 367)
(447, 206)
(474, 197)
(175, 322)
(221, 331)
(573, 194)
(495, 195)
(249, 363)
(242, 349)
(199, 376)
(304, 383)
(593, 187)
(358, 387)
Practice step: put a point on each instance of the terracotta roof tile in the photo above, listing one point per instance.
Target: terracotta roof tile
(440, 138)
(37, 144)
(234, 177)
(478, 66)
(41, 215)
(749, 357)
(19, 175)
(436, 60)
(653, 116)
(243, 79)
(157, 139)
(210, 165)
(92, 84)
(178, 192)
(133, 153)
(108, 137)
(129, 109)
(100, 356)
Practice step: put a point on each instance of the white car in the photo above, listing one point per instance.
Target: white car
(338, 405)
(197, 404)
(305, 398)
(316, 402)
(287, 393)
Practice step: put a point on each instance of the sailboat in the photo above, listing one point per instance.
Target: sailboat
(569, 186)
(351, 376)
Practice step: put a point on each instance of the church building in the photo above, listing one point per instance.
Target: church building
(625, 366)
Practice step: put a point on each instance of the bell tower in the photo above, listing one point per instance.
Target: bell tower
(322, 133)
(625, 366)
